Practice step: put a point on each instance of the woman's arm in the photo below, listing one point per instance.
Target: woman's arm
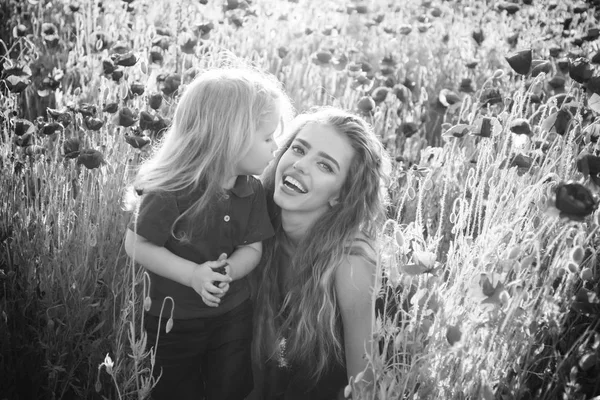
(164, 263)
(354, 281)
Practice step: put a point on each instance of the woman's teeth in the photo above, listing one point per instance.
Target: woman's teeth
(294, 184)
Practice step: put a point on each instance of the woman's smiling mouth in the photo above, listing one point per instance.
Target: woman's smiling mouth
(294, 184)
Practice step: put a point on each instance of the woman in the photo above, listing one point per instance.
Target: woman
(313, 322)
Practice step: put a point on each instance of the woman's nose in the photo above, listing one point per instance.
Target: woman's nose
(300, 165)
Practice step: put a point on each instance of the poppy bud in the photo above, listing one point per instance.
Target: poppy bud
(520, 61)
(574, 201)
(539, 66)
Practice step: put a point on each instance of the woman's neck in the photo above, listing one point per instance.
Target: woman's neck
(296, 225)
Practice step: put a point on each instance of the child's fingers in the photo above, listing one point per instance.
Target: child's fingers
(210, 299)
(222, 257)
(220, 278)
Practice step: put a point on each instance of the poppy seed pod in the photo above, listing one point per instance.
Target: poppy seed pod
(574, 201)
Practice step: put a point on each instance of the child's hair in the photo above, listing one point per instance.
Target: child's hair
(215, 120)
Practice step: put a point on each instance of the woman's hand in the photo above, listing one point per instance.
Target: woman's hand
(204, 279)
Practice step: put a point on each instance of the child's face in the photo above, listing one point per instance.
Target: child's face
(262, 146)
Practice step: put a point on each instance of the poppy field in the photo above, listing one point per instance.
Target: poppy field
(488, 276)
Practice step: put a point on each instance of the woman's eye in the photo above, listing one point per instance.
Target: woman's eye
(326, 167)
(298, 150)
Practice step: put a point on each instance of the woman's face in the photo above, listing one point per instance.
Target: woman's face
(311, 172)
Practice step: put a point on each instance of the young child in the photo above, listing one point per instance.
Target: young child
(202, 209)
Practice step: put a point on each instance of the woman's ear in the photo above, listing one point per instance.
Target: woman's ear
(333, 202)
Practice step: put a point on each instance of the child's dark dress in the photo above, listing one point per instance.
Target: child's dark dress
(207, 352)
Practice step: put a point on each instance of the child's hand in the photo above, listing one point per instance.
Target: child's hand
(203, 278)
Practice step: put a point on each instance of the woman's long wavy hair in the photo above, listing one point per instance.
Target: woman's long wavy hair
(214, 122)
(307, 316)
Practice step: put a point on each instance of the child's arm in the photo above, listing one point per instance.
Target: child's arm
(166, 264)
(244, 259)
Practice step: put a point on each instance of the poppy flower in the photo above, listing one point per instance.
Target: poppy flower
(17, 84)
(580, 70)
(362, 83)
(108, 66)
(322, 57)
(117, 74)
(380, 94)
(574, 201)
(282, 51)
(24, 140)
(554, 51)
(204, 29)
(34, 149)
(188, 43)
(23, 126)
(92, 123)
(170, 84)
(90, 158)
(589, 165)
(366, 105)
(409, 128)
(520, 61)
(111, 108)
(491, 96)
(405, 29)
(146, 120)
(120, 49)
(520, 126)
(466, 86)
(64, 117)
(136, 88)
(478, 36)
(161, 42)
(50, 34)
(87, 110)
(125, 60)
(510, 8)
(557, 82)
(20, 31)
(52, 128)
(446, 98)
(137, 142)
(155, 100)
(160, 124)
(513, 39)
(125, 117)
(472, 64)
(71, 147)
